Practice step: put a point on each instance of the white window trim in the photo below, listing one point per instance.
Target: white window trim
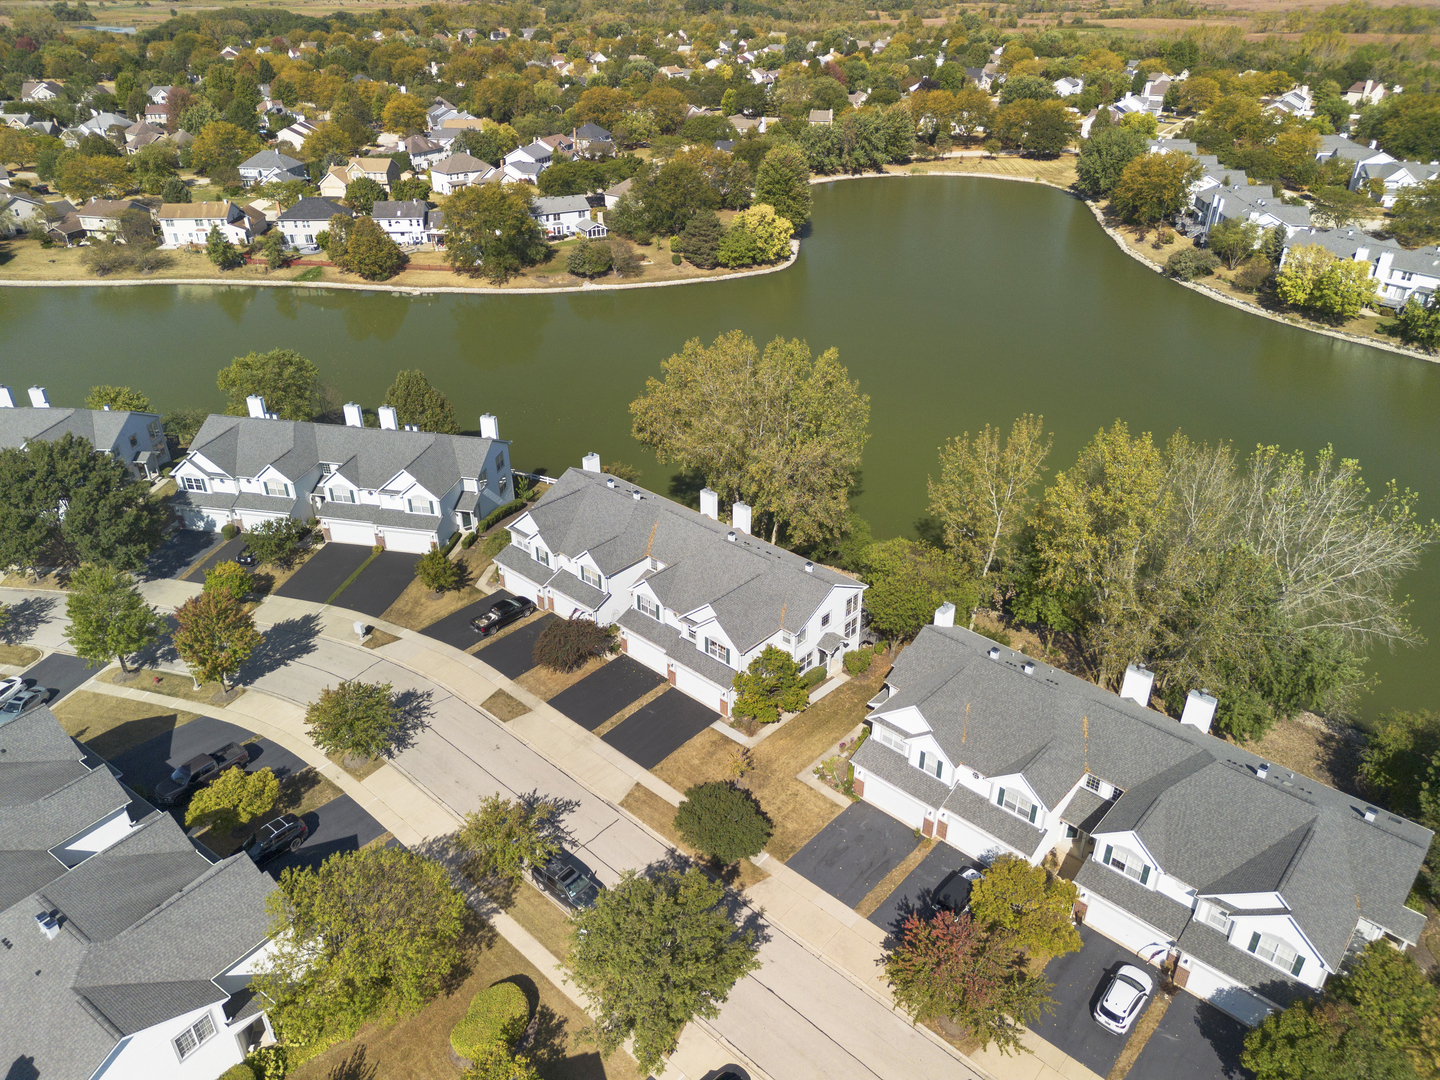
(646, 606)
(1278, 948)
(715, 648)
(1126, 860)
(194, 483)
(887, 738)
(587, 574)
(1012, 800)
(202, 1031)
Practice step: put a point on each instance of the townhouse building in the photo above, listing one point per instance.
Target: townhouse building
(135, 438)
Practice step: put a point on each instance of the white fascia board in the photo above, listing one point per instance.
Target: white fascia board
(525, 526)
(1252, 901)
(1014, 781)
(272, 471)
(910, 720)
(203, 465)
(1130, 840)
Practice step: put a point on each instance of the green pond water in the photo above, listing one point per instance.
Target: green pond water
(956, 302)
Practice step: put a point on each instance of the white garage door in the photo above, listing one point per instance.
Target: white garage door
(895, 803)
(701, 690)
(205, 520)
(351, 532)
(408, 540)
(642, 652)
(249, 519)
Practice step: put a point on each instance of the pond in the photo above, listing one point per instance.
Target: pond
(956, 302)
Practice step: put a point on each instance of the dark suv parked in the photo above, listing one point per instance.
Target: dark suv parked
(200, 769)
(285, 833)
(568, 881)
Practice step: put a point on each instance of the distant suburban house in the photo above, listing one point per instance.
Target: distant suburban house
(405, 490)
(1298, 101)
(612, 194)
(42, 90)
(103, 215)
(423, 152)
(696, 599)
(1338, 146)
(403, 222)
(135, 438)
(21, 208)
(452, 173)
(296, 134)
(1069, 87)
(100, 124)
(271, 166)
(307, 219)
(138, 136)
(1224, 194)
(137, 946)
(190, 223)
(157, 113)
(566, 215)
(822, 117)
(1392, 176)
(1365, 93)
(1398, 274)
(1256, 882)
(591, 140)
(537, 152)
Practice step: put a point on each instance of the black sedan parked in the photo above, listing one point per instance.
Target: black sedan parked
(501, 614)
(567, 881)
(285, 833)
(245, 557)
(200, 769)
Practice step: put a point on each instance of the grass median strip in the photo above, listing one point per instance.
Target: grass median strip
(167, 684)
(374, 554)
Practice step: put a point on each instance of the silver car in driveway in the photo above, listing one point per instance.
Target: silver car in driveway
(1124, 999)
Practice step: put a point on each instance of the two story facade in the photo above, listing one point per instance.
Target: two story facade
(566, 215)
(128, 951)
(136, 438)
(1257, 881)
(451, 173)
(406, 490)
(307, 219)
(1399, 274)
(403, 222)
(696, 600)
(190, 223)
(102, 216)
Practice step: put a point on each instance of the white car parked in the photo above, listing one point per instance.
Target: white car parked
(1124, 999)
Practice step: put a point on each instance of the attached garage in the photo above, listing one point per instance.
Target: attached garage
(892, 800)
(349, 532)
(1205, 982)
(249, 519)
(643, 652)
(204, 518)
(1120, 926)
(702, 690)
(408, 540)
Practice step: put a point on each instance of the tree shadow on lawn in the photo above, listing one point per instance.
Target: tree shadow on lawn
(354, 1067)
(26, 617)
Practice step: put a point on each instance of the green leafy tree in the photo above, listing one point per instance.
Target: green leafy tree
(1401, 764)
(985, 490)
(489, 230)
(62, 504)
(109, 619)
(230, 578)
(417, 402)
(723, 822)
(117, 397)
(221, 146)
(357, 718)
(1036, 128)
(368, 932)
(1418, 323)
(783, 181)
(220, 251)
(277, 541)
(700, 242)
(770, 686)
(1027, 88)
(947, 966)
(908, 581)
(755, 237)
(1190, 263)
(504, 836)
(495, 1062)
(175, 190)
(1415, 217)
(416, 189)
(1339, 207)
(404, 115)
(589, 259)
(1031, 905)
(437, 571)
(1104, 156)
(289, 383)
(779, 429)
(271, 247)
(215, 636)
(1314, 279)
(370, 252)
(362, 193)
(233, 798)
(1233, 240)
(82, 178)
(653, 953)
(1154, 186)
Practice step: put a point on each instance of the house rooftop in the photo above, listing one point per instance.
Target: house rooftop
(100, 427)
(314, 209)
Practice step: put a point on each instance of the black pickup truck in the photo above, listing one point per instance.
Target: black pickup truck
(199, 770)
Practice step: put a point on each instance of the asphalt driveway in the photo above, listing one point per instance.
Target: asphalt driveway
(339, 826)
(178, 552)
(324, 572)
(454, 629)
(216, 555)
(915, 894)
(62, 673)
(379, 584)
(512, 654)
(604, 692)
(153, 760)
(651, 734)
(1194, 1041)
(852, 854)
(1078, 980)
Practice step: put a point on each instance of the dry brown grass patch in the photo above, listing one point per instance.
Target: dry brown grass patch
(504, 707)
(110, 725)
(891, 881)
(19, 655)
(168, 684)
(1144, 1028)
(417, 607)
(358, 771)
(1306, 744)
(543, 918)
(377, 638)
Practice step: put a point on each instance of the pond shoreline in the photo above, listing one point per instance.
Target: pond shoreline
(1204, 290)
(404, 290)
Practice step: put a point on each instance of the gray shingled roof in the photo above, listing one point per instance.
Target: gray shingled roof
(102, 428)
(386, 519)
(411, 208)
(678, 648)
(995, 820)
(755, 588)
(28, 831)
(272, 159)
(560, 204)
(315, 209)
(461, 163)
(1164, 914)
(567, 584)
(1195, 800)
(1208, 945)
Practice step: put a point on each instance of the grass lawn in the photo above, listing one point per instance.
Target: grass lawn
(799, 812)
(169, 684)
(377, 638)
(111, 725)
(503, 706)
(417, 607)
(660, 816)
(545, 683)
(23, 580)
(299, 794)
(19, 655)
(418, 1047)
(550, 926)
(1060, 170)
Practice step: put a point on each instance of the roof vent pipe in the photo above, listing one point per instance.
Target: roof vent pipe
(610, 481)
(353, 417)
(1262, 770)
(635, 494)
(730, 536)
(590, 462)
(389, 418)
(809, 567)
(1370, 813)
(1028, 667)
(38, 399)
(994, 653)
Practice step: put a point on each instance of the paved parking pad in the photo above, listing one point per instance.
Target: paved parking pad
(1079, 978)
(651, 734)
(324, 572)
(339, 826)
(225, 552)
(914, 894)
(62, 673)
(455, 630)
(153, 760)
(513, 653)
(605, 691)
(179, 551)
(379, 584)
(1194, 1041)
(852, 854)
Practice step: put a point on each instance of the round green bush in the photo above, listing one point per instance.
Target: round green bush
(676, 259)
(238, 1072)
(859, 661)
(469, 540)
(497, 1015)
(229, 532)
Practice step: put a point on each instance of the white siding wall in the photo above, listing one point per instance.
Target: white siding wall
(1120, 925)
(149, 1055)
(892, 800)
(1222, 992)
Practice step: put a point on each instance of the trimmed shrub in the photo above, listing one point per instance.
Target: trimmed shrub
(497, 516)
(277, 540)
(229, 578)
(770, 686)
(269, 1062)
(676, 259)
(566, 644)
(813, 678)
(469, 541)
(723, 822)
(435, 569)
(229, 532)
(238, 1072)
(1189, 263)
(498, 1015)
(881, 646)
(858, 661)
